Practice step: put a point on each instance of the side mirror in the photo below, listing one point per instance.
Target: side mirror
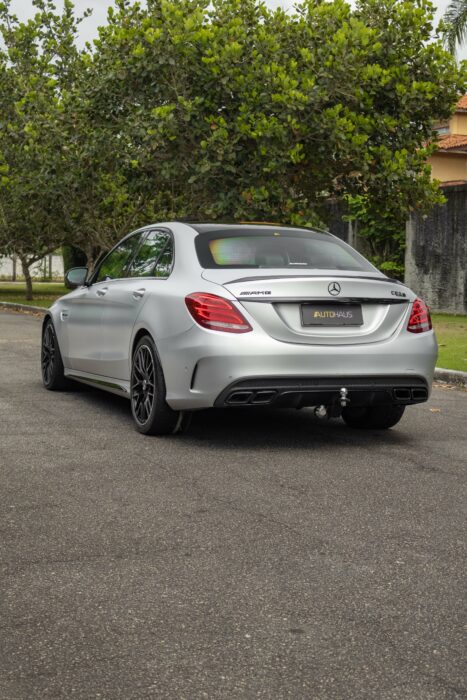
(76, 277)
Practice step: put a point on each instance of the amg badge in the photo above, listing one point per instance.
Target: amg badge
(254, 294)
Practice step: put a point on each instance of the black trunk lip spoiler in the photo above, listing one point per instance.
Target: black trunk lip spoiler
(323, 300)
(298, 277)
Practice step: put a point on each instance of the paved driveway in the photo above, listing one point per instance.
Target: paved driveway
(265, 556)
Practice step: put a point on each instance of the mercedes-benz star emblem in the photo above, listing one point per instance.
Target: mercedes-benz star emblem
(334, 288)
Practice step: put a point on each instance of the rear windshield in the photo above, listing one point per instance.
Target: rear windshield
(277, 248)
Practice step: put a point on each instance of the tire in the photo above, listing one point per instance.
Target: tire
(151, 413)
(53, 376)
(378, 417)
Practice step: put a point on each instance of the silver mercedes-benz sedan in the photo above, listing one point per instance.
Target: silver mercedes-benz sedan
(179, 317)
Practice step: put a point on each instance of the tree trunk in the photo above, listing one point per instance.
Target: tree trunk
(90, 258)
(27, 277)
(13, 277)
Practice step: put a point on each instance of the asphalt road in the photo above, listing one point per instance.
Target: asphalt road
(257, 556)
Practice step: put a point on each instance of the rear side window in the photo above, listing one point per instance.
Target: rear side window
(165, 263)
(115, 264)
(155, 256)
(277, 248)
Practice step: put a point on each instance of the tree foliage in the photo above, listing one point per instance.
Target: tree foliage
(38, 61)
(229, 110)
(456, 21)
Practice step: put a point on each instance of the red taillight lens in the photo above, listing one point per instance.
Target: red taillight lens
(216, 313)
(420, 319)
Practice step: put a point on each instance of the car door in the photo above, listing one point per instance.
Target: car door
(83, 316)
(125, 297)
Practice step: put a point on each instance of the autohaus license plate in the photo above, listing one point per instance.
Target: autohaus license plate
(331, 315)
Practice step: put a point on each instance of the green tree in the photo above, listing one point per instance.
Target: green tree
(221, 110)
(230, 110)
(456, 21)
(38, 60)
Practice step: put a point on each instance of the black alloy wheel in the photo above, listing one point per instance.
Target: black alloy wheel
(48, 353)
(152, 414)
(143, 384)
(53, 376)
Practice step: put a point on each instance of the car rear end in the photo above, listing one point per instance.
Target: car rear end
(293, 317)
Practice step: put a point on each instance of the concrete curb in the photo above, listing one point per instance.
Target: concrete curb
(451, 376)
(22, 307)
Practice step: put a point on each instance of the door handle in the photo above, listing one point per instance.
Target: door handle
(138, 294)
(102, 292)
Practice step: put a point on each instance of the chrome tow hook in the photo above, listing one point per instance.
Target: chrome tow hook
(344, 397)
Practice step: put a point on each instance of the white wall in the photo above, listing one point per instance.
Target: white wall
(6, 268)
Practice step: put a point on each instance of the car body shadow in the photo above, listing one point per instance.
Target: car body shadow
(256, 428)
(282, 429)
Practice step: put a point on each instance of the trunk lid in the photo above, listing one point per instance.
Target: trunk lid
(278, 302)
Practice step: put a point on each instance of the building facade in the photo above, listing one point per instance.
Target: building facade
(449, 162)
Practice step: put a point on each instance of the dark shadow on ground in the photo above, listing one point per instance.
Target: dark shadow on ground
(257, 428)
(282, 429)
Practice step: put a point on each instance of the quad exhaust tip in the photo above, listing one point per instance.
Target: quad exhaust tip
(258, 398)
(420, 394)
(262, 397)
(240, 397)
(402, 394)
(407, 394)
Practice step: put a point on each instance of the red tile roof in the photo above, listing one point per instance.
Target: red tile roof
(452, 142)
(462, 104)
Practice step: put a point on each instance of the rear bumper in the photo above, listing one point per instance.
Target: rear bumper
(202, 366)
(312, 391)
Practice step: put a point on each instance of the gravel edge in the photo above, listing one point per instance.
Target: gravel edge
(24, 308)
(451, 376)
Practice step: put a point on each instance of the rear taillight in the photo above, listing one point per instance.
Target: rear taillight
(216, 313)
(420, 319)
